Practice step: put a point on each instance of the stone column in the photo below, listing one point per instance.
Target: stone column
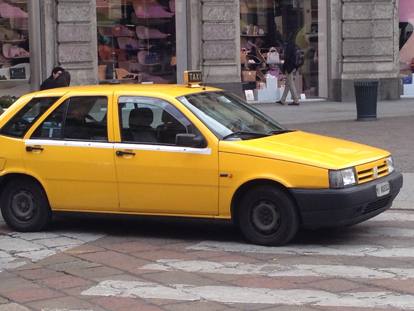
(369, 46)
(77, 40)
(220, 47)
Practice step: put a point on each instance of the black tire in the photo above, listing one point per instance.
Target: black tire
(268, 216)
(24, 205)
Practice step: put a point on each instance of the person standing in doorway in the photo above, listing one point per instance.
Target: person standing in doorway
(289, 67)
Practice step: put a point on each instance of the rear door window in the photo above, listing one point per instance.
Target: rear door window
(78, 118)
(27, 116)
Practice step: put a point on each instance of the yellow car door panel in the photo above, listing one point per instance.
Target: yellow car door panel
(70, 152)
(155, 176)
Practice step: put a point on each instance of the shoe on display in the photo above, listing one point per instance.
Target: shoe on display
(10, 11)
(122, 31)
(10, 35)
(12, 51)
(150, 33)
(150, 10)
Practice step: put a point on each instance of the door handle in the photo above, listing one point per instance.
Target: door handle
(34, 148)
(120, 153)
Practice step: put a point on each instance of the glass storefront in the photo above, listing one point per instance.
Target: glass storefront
(137, 40)
(265, 26)
(407, 45)
(14, 44)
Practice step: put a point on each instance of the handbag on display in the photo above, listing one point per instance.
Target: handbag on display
(273, 56)
(249, 75)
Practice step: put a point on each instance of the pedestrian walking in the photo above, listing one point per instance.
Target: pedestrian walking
(59, 78)
(292, 61)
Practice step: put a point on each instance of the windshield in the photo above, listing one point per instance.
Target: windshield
(229, 117)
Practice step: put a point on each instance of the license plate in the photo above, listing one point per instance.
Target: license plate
(383, 189)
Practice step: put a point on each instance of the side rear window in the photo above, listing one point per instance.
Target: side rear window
(27, 116)
(77, 118)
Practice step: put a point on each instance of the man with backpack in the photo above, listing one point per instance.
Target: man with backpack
(293, 57)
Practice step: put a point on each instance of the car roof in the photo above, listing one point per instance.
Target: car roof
(174, 90)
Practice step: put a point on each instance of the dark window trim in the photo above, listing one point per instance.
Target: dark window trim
(149, 143)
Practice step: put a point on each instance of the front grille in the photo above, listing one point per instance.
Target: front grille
(377, 205)
(371, 171)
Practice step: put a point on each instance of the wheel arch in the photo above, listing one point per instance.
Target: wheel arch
(5, 179)
(244, 188)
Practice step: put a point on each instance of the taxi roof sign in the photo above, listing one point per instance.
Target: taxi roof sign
(193, 78)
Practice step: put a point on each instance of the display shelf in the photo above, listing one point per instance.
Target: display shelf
(253, 36)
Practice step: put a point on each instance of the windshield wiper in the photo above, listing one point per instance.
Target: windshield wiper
(277, 132)
(242, 133)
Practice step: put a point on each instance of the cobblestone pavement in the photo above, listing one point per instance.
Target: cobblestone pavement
(117, 263)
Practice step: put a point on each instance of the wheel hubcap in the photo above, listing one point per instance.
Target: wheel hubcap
(23, 205)
(266, 217)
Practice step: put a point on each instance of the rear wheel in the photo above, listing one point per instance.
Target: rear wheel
(24, 205)
(267, 216)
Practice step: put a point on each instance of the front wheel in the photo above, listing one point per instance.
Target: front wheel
(267, 216)
(24, 206)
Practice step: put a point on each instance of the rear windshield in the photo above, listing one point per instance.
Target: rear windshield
(27, 116)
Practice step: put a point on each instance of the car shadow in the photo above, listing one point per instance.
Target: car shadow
(186, 229)
(189, 229)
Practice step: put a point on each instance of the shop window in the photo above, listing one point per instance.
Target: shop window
(136, 40)
(407, 46)
(265, 27)
(14, 43)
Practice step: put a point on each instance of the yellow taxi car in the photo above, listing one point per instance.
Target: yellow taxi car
(174, 150)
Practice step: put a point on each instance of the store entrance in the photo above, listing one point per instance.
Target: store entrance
(265, 26)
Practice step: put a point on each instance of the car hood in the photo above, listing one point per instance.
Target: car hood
(306, 148)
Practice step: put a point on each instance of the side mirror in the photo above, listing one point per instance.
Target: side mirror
(189, 140)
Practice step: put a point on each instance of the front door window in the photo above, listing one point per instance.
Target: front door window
(152, 121)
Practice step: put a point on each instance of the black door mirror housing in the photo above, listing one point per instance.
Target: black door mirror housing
(189, 140)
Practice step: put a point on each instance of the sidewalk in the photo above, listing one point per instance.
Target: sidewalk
(393, 131)
(317, 111)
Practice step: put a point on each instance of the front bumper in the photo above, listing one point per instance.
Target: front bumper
(341, 207)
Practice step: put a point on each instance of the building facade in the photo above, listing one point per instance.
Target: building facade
(237, 43)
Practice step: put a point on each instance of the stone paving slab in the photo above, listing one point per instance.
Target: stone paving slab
(67, 280)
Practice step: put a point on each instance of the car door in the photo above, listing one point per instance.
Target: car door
(155, 175)
(70, 153)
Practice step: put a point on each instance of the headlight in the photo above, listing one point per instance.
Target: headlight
(390, 164)
(342, 178)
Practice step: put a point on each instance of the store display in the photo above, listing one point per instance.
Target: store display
(151, 9)
(7, 10)
(14, 43)
(248, 75)
(18, 73)
(150, 33)
(122, 31)
(141, 41)
(265, 26)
